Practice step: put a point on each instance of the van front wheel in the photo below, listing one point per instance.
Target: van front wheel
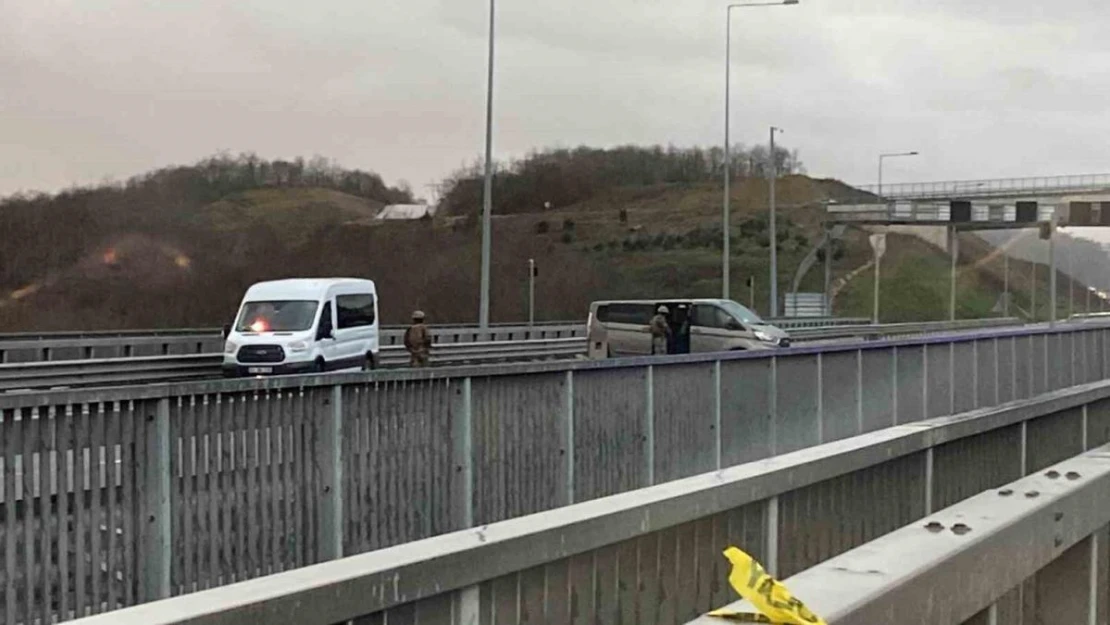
(319, 366)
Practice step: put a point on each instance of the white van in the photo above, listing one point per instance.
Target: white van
(620, 328)
(304, 326)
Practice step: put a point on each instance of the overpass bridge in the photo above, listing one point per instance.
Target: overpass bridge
(561, 492)
(997, 188)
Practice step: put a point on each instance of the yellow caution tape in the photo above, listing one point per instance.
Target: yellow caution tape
(774, 602)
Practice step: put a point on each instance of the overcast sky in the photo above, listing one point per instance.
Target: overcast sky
(94, 89)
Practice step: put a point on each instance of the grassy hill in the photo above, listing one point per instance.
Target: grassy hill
(178, 249)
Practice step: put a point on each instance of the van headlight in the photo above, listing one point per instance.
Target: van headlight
(230, 348)
(298, 346)
(763, 336)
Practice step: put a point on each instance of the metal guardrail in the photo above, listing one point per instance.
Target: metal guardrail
(155, 369)
(970, 563)
(223, 481)
(993, 187)
(149, 370)
(892, 330)
(68, 346)
(91, 346)
(653, 555)
(173, 368)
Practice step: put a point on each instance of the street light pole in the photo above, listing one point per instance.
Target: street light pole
(881, 157)
(774, 232)
(487, 190)
(531, 291)
(726, 220)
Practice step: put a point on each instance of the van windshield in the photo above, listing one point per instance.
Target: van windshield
(277, 316)
(742, 313)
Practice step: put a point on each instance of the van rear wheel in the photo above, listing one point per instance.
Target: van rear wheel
(370, 363)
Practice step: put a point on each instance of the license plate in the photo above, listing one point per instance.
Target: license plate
(253, 370)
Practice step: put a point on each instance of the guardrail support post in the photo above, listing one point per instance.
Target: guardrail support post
(329, 462)
(771, 559)
(566, 432)
(717, 393)
(462, 483)
(155, 538)
(649, 428)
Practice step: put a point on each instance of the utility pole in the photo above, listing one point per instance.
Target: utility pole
(774, 232)
(531, 291)
(487, 189)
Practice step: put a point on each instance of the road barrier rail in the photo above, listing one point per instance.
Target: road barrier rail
(654, 554)
(26, 348)
(515, 343)
(163, 369)
(1033, 550)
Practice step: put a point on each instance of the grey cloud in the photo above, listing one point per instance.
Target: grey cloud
(114, 87)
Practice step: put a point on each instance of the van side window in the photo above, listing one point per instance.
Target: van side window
(711, 317)
(355, 311)
(633, 314)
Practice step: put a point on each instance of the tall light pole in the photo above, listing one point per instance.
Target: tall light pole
(725, 217)
(774, 231)
(892, 155)
(487, 191)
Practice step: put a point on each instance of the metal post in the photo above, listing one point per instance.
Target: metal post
(880, 191)
(828, 272)
(1005, 284)
(462, 482)
(329, 459)
(1033, 301)
(875, 307)
(487, 191)
(1052, 275)
(751, 292)
(155, 538)
(954, 250)
(725, 218)
(774, 234)
(1071, 283)
(531, 291)
(881, 157)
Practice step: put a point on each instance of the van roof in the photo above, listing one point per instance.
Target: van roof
(302, 288)
(661, 300)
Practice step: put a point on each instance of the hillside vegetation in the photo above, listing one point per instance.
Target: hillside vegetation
(177, 247)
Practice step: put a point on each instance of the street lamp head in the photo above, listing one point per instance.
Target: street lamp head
(789, 2)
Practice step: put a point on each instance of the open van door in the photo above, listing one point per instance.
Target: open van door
(597, 338)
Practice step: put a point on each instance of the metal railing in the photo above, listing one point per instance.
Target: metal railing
(160, 369)
(216, 482)
(16, 348)
(895, 330)
(28, 348)
(998, 187)
(200, 366)
(653, 555)
(1035, 546)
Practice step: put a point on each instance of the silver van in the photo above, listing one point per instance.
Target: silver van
(620, 328)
